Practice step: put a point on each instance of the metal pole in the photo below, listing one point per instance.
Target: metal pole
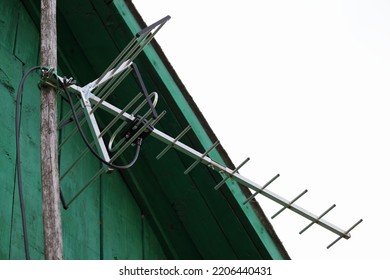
(49, 137)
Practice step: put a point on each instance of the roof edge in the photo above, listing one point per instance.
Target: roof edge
(255, 205)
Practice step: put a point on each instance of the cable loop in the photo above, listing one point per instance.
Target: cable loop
(112, 148)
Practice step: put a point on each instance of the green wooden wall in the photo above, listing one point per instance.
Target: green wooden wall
(150, 211)
(105, 222)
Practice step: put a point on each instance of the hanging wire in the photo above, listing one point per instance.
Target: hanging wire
(115, 166)
(18, 115)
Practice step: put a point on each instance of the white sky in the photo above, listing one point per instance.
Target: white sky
(302, 88)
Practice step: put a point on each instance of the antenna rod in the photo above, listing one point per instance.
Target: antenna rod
(114, 73)
(204, 159)
(52, 227)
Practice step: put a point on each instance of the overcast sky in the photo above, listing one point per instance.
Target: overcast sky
(301, 87)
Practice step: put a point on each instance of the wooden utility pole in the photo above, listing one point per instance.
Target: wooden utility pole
(49, 136)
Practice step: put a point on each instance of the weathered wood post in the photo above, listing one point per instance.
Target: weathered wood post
(49, 152)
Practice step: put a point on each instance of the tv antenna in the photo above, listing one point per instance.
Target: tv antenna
(135, 127)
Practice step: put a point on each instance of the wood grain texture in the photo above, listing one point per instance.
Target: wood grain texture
(49, 138)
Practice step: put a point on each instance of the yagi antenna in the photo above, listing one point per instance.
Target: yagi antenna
(135, 127)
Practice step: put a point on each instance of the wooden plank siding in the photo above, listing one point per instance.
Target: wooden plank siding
(185, 111)
(106, 215)
(8, 85)
(150, 211)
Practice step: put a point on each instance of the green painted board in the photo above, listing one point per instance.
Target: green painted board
(121, 220)
(189, 205)
(85, 33)
(10, 74)
(152, 248)
(9, 71)
(191, 117)
(148, 192)
(9, 11)
(82, 227)
(81, 221)
(27, 39)
(151, 211)
(31, 175)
